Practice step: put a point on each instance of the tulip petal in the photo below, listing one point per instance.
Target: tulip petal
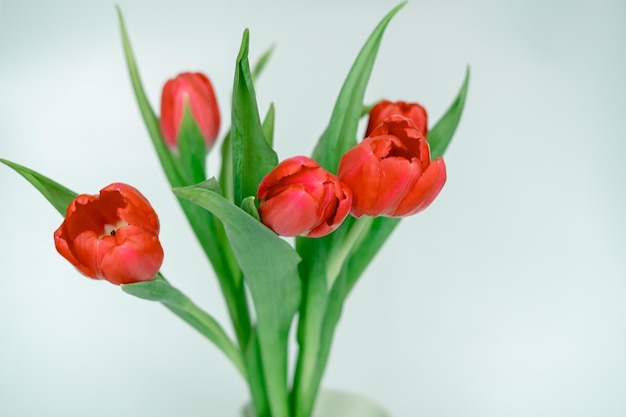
(359, 169)
(290, 213)
(132, 255)
(424, 191)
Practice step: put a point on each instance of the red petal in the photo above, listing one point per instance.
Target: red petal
(290, 213)
(424, 191)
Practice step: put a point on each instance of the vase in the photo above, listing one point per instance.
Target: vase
(335, 403)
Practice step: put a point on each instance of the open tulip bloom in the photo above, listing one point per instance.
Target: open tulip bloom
(341, 203)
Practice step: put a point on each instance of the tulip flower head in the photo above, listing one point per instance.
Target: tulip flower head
(298, 197)
(390, 172)
(112, 236)
(385, 108)
(195, 90)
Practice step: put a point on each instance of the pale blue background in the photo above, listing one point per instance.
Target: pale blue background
(507, 297)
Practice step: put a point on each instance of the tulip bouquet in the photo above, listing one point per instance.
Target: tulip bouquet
(340, 204)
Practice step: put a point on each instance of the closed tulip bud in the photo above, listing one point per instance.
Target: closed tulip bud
(196, 90)
(112, 236)
(385, 108)
(299, 197)
(390, 172)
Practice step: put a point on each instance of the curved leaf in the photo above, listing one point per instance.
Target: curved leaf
(441, 134)
(160, 290)
(269, 267)
(340, 135)
(253, 156)
(59, 196)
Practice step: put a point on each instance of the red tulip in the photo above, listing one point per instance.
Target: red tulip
(299, 197)
(113, 236)
(196, 89)
(390, 172)
(385, 108)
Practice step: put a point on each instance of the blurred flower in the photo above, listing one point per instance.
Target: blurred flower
(113, 236)
(196, 89)
(299, 197)
(390, 172)
(385, 108)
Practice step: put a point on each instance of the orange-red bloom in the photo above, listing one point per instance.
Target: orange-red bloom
(299, 197)
(385, 108)
(196, 89)
(113, 236)
(390, 172)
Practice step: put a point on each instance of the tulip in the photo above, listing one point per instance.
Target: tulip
(390, 172)
(298, 197)
(112, 236)
(385, 108)
(196, 90)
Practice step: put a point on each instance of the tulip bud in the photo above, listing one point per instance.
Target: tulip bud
(385, 108)
(298, 197)
(113, 236)
(196, 90)
(390, 172)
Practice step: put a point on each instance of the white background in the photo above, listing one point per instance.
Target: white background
(507, 297)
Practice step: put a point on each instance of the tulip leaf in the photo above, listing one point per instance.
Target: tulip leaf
(269, 267)
(205, 227)
(253, 157)
(149, 117)
(162, 291)
(256, 375)
(268, 125)
(249, 207)
(260, 64)
(192, 149)
(59, 196)
(441, 134)
(226, 170)
(340, 135)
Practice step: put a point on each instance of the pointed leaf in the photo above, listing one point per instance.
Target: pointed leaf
(269, 266)
(226, 170)
(262, 62)
(441, 134)
(149, 117)
(340, 135)
(268, 125)
(162, 291)
(253, 157)
(59, 196)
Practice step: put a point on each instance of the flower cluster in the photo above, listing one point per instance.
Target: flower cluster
(351, 189)
(389, 173)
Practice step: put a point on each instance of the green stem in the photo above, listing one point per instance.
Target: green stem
(313, 354)
(337, 258)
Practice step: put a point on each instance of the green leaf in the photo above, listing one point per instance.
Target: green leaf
(269, 267)
(149, 117)
(268, 125)
(262, 62)
(206, 228)
(256, 377)
(192, 149)
(340, 135)
(160, 290)
(226, 170)
(441, 134)
(59, 196)
(252, 156)
(249, 207)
